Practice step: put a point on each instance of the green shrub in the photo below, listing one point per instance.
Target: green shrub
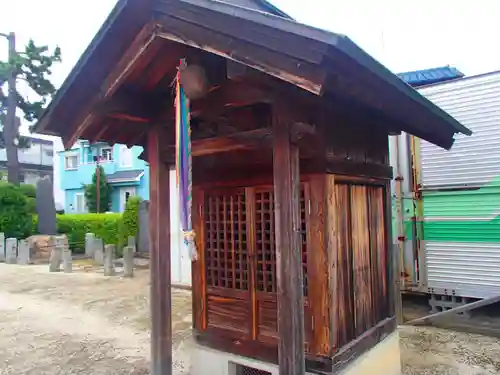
(130, 222)
(104, 192)
(34, 229)
(31, 204)
(28, 190)
(16, 219)
(75, 226)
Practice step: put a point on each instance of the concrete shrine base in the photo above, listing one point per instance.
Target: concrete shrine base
(383, 359)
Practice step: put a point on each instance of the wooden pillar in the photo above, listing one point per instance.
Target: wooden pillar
(159, 248)
(288, 247)
(393, 261)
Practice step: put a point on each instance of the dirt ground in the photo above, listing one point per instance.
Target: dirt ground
(85, 323)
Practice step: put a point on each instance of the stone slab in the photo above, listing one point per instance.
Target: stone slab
(11, 250)
(128, 261)
(109, 260)
(23, 253)
(2, 247)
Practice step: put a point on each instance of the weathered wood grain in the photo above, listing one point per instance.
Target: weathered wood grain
(251, 241)
(321, 235)
(344, 292)
(361, 260)
(228, 314)
(288, 247)
(198, 288)
(378, 251)
(159, 219)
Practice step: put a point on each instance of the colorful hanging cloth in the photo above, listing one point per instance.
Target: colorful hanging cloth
(183, 163)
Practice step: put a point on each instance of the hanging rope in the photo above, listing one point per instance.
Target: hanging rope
(183, 163)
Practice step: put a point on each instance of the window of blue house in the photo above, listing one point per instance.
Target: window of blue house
(90, 155)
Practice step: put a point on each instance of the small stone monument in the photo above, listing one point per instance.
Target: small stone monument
(23, 252)
(109, 260)
(98, 251)
(131, 242)
(128, 261)
(46, 207)
(11, 251)
(56, 254)
(89, 245)
(67, 259)
(2, 247)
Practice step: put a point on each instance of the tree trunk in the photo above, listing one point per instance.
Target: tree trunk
(10, 126)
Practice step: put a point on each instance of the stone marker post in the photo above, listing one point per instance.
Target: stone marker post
(56, 254)
(131, 242)
(109, 260)
(89, 244)
(67, 259)
(23, 252)
(11, 251)
(128, 261)
(98, 251)
(45, 206)
(2, 247)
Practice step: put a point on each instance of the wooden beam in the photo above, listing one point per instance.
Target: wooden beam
(128, 117)
(290, 69)
(433, 318)
(86, 121)
(100, 129)
(247, 140)
(234, 93)
(143, 108)
(238, 141)
(362, 344)
(216, 145)
(141, 44)
(288, 249)
(134, 106)
(159, 249)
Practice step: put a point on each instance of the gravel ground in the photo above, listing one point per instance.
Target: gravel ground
(429, 351)
(85, 323)
(81, 323)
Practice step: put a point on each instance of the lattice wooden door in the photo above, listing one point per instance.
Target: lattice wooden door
(265, 258)
(227, 261)
(240, 262)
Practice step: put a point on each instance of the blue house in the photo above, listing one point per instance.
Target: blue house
(125, 172)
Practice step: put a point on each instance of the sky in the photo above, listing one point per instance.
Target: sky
(403, 35)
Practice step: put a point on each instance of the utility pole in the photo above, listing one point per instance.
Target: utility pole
(10, 128)
(98, 184)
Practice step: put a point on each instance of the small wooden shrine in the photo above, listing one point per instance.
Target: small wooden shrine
(291, 195)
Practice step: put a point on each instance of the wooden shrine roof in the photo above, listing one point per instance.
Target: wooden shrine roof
(140, 43)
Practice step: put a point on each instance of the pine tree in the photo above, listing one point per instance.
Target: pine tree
(32, 66)
(104, 190)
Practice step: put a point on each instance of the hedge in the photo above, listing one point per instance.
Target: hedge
(30, 192)
(130, 221)
(16, 219)
(75, 226)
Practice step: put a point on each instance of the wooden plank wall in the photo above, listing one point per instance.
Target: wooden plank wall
(345, 264)
(361, 293)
